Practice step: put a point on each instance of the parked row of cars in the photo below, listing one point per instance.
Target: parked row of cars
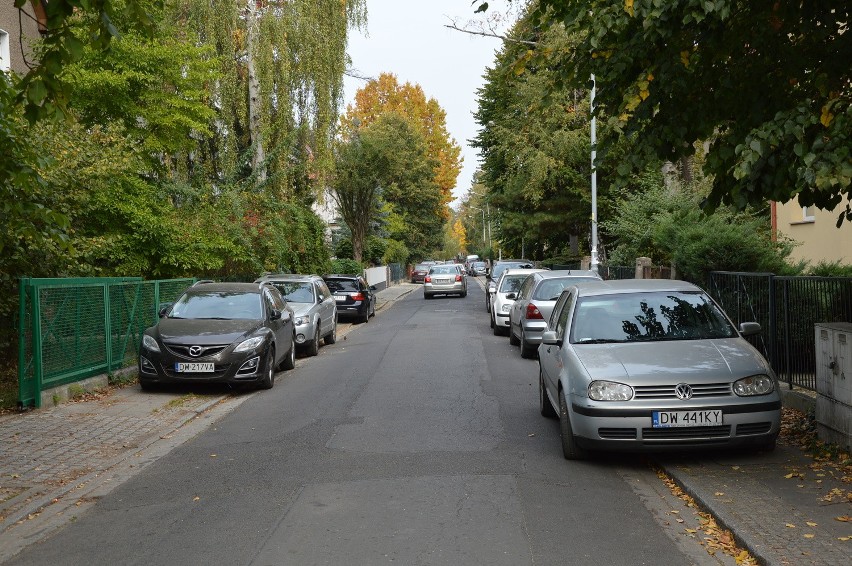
(637, 364)
(242, 333)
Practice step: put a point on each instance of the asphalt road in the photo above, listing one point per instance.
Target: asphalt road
(416, 440)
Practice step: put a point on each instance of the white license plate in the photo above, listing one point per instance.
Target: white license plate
(195, 367)
(668, 419)
(443, 281)
(339, 299)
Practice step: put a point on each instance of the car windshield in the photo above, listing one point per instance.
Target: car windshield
(296, 291)
(444, 270)
(342, 285)
(550, 289)
(660, 316)
(512, 283)
(218, 305)
(499, 268)
(421, 267)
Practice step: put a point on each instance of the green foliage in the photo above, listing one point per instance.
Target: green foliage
(830, 269)
(670, 74)
(346, 266)
(396, 252)
(666, 224)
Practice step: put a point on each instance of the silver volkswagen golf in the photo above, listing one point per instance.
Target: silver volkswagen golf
(650, 365)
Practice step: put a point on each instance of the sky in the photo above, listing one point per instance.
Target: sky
(409, 38)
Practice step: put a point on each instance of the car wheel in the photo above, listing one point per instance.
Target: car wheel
(427, 296)
(513, 340)
(570, 449)
(149, 386)
(768, 445)
(487, 303)
(547, 410)
(269, 368)
(527, 350)
(289, 361)
(374, 308)
(366, 317)
(313, 347)
(331, 337)
(464, 294)
(491, 320)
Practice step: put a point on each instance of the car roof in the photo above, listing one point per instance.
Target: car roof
(592, 288)
(341, 276)
(559, 273)
(287, 277)
(520, 271)
(214, 287)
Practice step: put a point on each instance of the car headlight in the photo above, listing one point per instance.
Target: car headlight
(506, 308)
(609, 391)
(754, 385)
(150, 343)
(249, 344)
(492, 287)
(300, 320)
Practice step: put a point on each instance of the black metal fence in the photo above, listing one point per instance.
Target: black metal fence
(396, 272)
(787, 308)
(609, 272)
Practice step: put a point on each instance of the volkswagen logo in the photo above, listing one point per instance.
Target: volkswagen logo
(683, 391)
(196, 351)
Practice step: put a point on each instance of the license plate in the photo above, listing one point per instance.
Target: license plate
(339, 299)
(442, 281)
(669, 419)
(195, 367)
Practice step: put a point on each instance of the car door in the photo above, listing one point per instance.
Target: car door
(550, 358)
(520, 305)
(280, 327)
(327, 307)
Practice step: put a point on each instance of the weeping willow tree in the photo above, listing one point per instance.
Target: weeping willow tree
(281, 86)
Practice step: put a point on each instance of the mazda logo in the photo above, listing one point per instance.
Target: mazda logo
(683, 391)
(195, 351)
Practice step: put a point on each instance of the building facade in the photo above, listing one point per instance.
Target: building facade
(816, 231)
(18, 29)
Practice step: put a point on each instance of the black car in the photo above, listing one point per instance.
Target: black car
(355, 298)
(496, 271)
(234, 333)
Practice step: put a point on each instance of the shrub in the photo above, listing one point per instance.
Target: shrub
(347, 266)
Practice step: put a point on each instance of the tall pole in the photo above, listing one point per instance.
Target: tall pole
(594, 265)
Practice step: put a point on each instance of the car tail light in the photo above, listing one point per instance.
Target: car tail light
(428, 279)
(458, 278)
(357, 296)
(533, 312)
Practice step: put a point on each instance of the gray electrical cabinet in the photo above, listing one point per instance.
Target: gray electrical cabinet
(834, 382)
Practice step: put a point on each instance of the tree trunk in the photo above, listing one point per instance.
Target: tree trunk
(258, 154)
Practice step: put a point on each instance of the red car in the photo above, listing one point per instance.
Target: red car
(419, 272)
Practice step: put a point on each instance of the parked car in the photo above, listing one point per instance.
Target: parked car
(478, 268)
(313, 305)
(444, 280)
(507, 290)
(532, 307)
(495, 273)
(651, 365)
(354, 297)
(235, 333)
(419, 271)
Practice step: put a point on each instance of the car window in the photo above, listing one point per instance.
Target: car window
(225, 305)
(526, 287)
(512, 283)
(342, 285)
(322, 290)
(560, 322)
(659, 316)
(443, 270)
(550, 289)
(295, 291)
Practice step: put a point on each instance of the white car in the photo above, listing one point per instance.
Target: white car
(506, 289)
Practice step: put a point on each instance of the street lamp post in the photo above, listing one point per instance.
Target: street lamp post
(594, 265)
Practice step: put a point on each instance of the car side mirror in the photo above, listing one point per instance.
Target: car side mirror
(373, 288)
(164, 308)
(750, 328)
(550, 338)
(275, 314)
(512, 296)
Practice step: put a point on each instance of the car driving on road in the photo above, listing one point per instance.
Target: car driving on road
(653, 364)
(444, 279)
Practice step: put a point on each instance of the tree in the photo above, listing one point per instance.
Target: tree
(385, 95)
(767, 84)
(386, 163)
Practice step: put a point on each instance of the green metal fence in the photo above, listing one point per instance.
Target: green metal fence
(71, 329)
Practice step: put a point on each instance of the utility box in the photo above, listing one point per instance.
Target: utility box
(834, 382)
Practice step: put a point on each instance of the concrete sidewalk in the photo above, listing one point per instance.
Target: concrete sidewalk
(56, 462)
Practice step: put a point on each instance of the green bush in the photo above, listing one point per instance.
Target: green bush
(396, 252)
(346, 266)
(830, 269)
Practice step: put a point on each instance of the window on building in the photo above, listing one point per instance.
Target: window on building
(807, 214)
(5, 59)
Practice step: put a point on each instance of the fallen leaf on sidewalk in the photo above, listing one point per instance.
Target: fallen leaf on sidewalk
(843, 518)
(844, 539)
(196, 498)
(719, 494)
(810, 524)
(791, 526)
(809, 535)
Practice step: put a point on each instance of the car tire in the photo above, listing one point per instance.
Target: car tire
(491, 321)
(374, 308)
(289, 361)
(547, 410)
(527, 350)
(464, 294)
(331, 337)
(570, 449)
(513, 340)
(768, 445)
(269, 369)
(487, 303)
(149, 386)
(427, 296)
(366, 317)
(313, 347)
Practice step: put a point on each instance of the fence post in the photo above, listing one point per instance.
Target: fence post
(773, 326)
(38, 366)
(23, 283)
(641, 263)
(787, 333)
(107, 327)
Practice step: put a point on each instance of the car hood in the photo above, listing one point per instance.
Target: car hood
(204, 331)
(694, 361)
(300, 309)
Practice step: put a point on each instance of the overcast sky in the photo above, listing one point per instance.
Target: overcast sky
(409, 39)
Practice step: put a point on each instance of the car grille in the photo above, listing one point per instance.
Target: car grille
(753, 428)
(663, 392)
(617, 433)
(183, 350)
(686, 432)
